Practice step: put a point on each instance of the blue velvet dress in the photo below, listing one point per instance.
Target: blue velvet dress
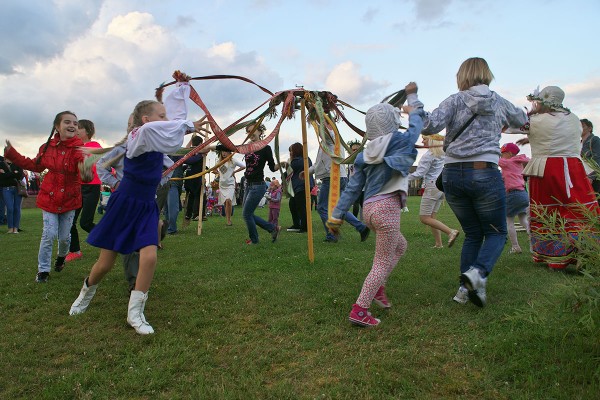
(131, 219)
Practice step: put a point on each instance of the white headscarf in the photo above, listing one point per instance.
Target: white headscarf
(381, 120)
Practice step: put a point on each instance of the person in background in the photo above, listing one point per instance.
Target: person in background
(590, 152)
(297, 203)
(357, 206)
(2, 206)
(10, 176)
(192, 186)
(174, 197)
(429, 168)
(255, 185)
(274, 195)
(517, 199)
(322, 171)
(90, 193)
(104, 196)
(314, 192)
(60, 194)
(472, 181)
(227, 183)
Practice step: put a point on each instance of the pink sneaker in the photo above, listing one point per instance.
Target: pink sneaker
(381, 299)
(73, 256)
(362, 317)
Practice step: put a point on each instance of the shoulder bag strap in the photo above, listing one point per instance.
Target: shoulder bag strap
(460, 131)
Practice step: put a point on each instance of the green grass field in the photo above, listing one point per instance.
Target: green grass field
(242, 322)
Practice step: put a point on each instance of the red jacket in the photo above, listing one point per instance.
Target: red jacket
(61, 187)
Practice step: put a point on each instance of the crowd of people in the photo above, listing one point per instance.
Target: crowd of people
(125, 183)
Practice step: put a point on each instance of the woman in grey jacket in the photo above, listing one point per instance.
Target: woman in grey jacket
(472, 182)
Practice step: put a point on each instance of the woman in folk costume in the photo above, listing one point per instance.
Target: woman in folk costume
(132, 214)
(429, 168)
(381, 170)
(60, 193)
(558, 186)
(227, 183)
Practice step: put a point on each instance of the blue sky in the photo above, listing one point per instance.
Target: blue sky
(99, 58)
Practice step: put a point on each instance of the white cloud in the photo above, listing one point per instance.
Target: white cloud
(225, 51)
(103, 73)
(349, 85)
(36, 31)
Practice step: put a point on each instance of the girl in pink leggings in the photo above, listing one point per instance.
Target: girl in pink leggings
(381, 171)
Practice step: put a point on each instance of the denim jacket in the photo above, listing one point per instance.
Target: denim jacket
(399, 156)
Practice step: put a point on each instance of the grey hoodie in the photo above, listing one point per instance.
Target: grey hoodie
(480, 141)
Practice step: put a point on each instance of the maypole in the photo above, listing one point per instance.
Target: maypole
(324, 110)
(311, 251)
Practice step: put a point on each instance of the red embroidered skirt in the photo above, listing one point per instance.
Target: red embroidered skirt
(558, 217)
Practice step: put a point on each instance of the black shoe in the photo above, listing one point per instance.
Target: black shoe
(42, 277)
(364, 234)
(163, 229)
(58, 267)
(330, 240)
(275, 233)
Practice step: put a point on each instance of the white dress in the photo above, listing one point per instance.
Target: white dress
(227, 181)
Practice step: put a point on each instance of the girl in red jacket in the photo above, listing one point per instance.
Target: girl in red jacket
(60, 193)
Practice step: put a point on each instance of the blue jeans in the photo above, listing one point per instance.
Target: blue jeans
(322, 207)
(478, 199)
(173, 202)
(11, 198)
(253, 196)
(2, 211)
(55, 225)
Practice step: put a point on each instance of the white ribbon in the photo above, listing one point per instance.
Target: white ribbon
(568, 182)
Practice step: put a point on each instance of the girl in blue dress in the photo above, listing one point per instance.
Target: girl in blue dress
(132, 214)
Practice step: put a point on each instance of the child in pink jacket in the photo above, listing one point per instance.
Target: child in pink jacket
(274, 198)
(517, 199)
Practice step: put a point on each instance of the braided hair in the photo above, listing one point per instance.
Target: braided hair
(57, 121)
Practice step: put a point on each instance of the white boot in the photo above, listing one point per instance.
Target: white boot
(83, 301)
(135, 313)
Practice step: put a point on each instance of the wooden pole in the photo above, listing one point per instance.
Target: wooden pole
(311, 251)
(202, 187)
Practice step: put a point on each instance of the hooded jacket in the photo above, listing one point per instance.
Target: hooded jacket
(61, 188)
(480, 141)
(396, 158)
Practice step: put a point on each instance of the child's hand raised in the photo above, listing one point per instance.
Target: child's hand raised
(411, 88)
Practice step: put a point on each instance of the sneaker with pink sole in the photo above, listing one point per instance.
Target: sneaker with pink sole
(362, 317)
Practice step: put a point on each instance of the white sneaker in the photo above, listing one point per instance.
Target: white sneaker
(475, 285)
(461, 296)
(515, 250)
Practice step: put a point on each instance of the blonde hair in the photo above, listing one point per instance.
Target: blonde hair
(436, 147)
(473, 71)
(142, 108)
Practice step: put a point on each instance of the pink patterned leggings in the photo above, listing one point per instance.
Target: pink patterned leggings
(383, 218)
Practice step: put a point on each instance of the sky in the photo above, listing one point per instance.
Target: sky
(98, 58)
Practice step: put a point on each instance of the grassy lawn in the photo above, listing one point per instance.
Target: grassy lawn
(240, 322)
